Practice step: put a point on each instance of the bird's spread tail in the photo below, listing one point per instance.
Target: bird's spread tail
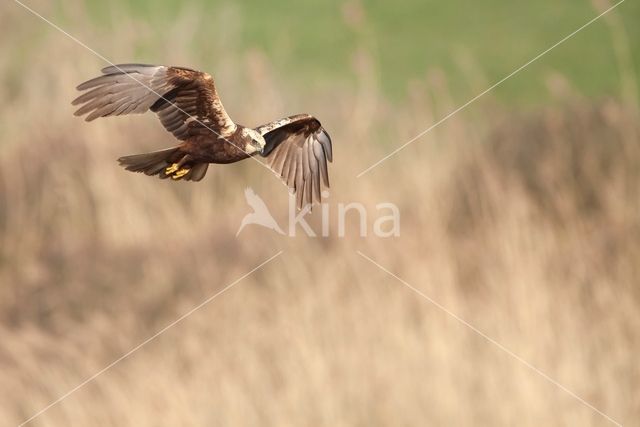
(165, 163)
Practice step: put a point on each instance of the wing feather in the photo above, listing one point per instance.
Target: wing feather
(185, 100)
(299, 181)
(298, 149)
(315, 172)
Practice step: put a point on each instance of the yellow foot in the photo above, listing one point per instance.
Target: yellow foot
(180, 173)
(171, 169)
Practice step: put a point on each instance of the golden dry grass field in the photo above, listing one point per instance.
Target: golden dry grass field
(523, 222)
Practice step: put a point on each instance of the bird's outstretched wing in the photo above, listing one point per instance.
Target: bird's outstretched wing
(297, 149)
(185, 100)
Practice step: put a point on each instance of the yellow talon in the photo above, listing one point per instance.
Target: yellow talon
(180, 173)
(171, 169)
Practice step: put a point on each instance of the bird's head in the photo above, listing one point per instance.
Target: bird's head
(255, 141)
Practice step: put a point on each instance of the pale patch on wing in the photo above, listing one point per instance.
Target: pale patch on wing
(268, 127)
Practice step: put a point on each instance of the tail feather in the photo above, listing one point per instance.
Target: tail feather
(149, 163)
(157, 162)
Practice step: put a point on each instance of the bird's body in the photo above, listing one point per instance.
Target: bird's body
(296, 148)
(211, 148)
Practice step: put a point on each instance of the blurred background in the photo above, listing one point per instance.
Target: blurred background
(520, 214)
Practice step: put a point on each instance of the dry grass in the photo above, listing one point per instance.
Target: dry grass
(524, 224)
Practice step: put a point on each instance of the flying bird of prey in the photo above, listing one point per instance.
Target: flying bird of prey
(296, 148)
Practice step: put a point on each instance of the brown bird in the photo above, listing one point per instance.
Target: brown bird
(296, 148)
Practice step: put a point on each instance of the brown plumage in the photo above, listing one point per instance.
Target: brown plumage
(296, 148)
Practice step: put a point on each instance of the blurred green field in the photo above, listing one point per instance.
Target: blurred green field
(313, 40)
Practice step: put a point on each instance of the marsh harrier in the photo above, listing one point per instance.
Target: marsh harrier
(296, 148)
